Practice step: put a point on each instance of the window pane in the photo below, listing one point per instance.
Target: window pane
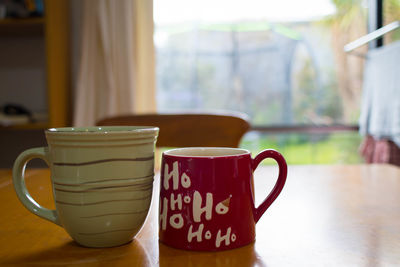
(281, 62)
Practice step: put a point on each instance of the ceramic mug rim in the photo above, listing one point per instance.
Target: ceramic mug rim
(101, 130)
(206, 152)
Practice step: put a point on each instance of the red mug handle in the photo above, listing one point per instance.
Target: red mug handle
(270, 153)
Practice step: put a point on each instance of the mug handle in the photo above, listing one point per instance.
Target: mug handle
(270, 153)
(20, 187)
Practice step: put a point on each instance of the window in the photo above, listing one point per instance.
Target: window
(280, 62)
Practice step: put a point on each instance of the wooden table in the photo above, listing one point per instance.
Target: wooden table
(325, 216)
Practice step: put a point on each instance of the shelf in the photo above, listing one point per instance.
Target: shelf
(33, 125)
(22, 21)
(53, 34)
(23, 121)
(10, 27)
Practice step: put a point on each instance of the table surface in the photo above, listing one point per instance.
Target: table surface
(346, 215)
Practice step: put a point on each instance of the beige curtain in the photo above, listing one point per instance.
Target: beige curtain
(116, 70)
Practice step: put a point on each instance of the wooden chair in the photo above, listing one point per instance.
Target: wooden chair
(189, 129)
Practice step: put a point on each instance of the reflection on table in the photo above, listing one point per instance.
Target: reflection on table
(326, 215)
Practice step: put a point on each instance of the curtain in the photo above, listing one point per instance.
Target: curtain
(116, 70)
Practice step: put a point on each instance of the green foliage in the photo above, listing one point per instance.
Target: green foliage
(314, 100)
(391, 13)
(346, 12)
(336, 148)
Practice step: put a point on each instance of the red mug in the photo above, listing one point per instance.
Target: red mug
(207, 198)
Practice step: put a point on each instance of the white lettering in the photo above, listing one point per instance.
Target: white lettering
(198, 233)
(198, 210)
(163, 214)
(208, 235)
(174, 201)
(185, 180)
(220, 238)
(186, 199)
(174, 174)
(233, 237)
(174, 223)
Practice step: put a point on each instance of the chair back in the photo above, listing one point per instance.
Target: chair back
(189, 129)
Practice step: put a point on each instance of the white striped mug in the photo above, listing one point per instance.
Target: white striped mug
(102, 180)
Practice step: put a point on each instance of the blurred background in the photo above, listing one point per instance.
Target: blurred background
(282, 63)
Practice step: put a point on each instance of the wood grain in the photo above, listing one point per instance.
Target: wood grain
(325, 216)
(58, 62)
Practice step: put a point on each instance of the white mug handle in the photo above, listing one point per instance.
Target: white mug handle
(20, 187)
